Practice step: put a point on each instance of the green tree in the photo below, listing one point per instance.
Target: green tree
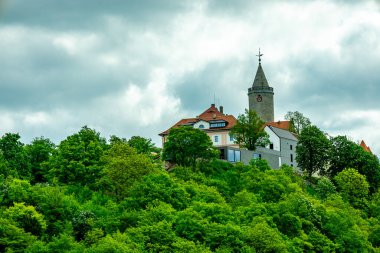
(312, 150)
(186, 145)
(26, 217)
(265, 238)
(325, 188)
(14, 190)
(157, 187)
(249, 131)
(4, 169)
(83, 223)
(374, 205)
(141, 144)
(343, 153)
(77, 158)
(182, 245)
(347, 154)
(156, 237)
(13, 238)
(297, 121)
(344, 225)
(353, 187)
(39, 151)
(123, 167)
(57, 208)
(320, 242)
(288, 224)
(117, 242)
(61, 243)
(14, 153)
(145, 146)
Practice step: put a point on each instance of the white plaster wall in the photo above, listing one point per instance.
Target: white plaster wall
(206, 124)
(219, 143)
(229, 142)
(273, 138)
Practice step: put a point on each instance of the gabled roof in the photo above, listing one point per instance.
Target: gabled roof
(285, 134)
(365, 147)
(209, 115)
(285, 124)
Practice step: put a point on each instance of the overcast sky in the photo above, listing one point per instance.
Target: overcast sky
(137, 67)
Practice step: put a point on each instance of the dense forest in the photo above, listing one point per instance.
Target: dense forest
(89, 194)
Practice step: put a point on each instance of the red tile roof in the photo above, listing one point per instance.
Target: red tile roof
(280, 124)
(208, 115)
(365, 147)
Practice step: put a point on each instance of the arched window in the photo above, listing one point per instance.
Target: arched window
(201, 126)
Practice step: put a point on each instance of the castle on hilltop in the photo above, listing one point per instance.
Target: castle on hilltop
(217, 125)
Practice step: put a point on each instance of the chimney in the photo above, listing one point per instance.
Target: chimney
(221, 109)
(212, 105)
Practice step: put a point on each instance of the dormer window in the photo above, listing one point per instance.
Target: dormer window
(218, 123)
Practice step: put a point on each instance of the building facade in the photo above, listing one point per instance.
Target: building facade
(281, 150)
(214, 122)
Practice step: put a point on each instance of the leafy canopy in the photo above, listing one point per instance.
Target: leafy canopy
(141, 144)
(39, 151)
(185, 145)
(353, 186)
(249, 131)
(14, 154)
(124, 166)
(76, 160)
(347, 154)
(312, 150)
(297, 121)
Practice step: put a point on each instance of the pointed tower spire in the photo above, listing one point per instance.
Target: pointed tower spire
(260, 79)
(260, 95)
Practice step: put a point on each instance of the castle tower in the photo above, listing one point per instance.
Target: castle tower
(260, 95)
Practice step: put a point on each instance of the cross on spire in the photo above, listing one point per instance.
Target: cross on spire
(259, 55)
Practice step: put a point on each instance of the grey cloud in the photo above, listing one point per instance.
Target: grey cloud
(45, 76)
(330, 83)
(228, 81)
(71, 14)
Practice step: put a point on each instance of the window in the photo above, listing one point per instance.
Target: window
(201, 126)
(256, 156)
(291, 158)
(216, 138)
(232, 139)
(233, 155)
(271, 146)
(291, 147)
(219, 124)
(237, 156)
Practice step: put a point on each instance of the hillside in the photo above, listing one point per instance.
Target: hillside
(90, 195)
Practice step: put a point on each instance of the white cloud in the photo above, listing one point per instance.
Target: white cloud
(36, 118)
(74, 44)
(6, 122)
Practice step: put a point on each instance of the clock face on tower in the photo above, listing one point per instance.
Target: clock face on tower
(259, 98)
